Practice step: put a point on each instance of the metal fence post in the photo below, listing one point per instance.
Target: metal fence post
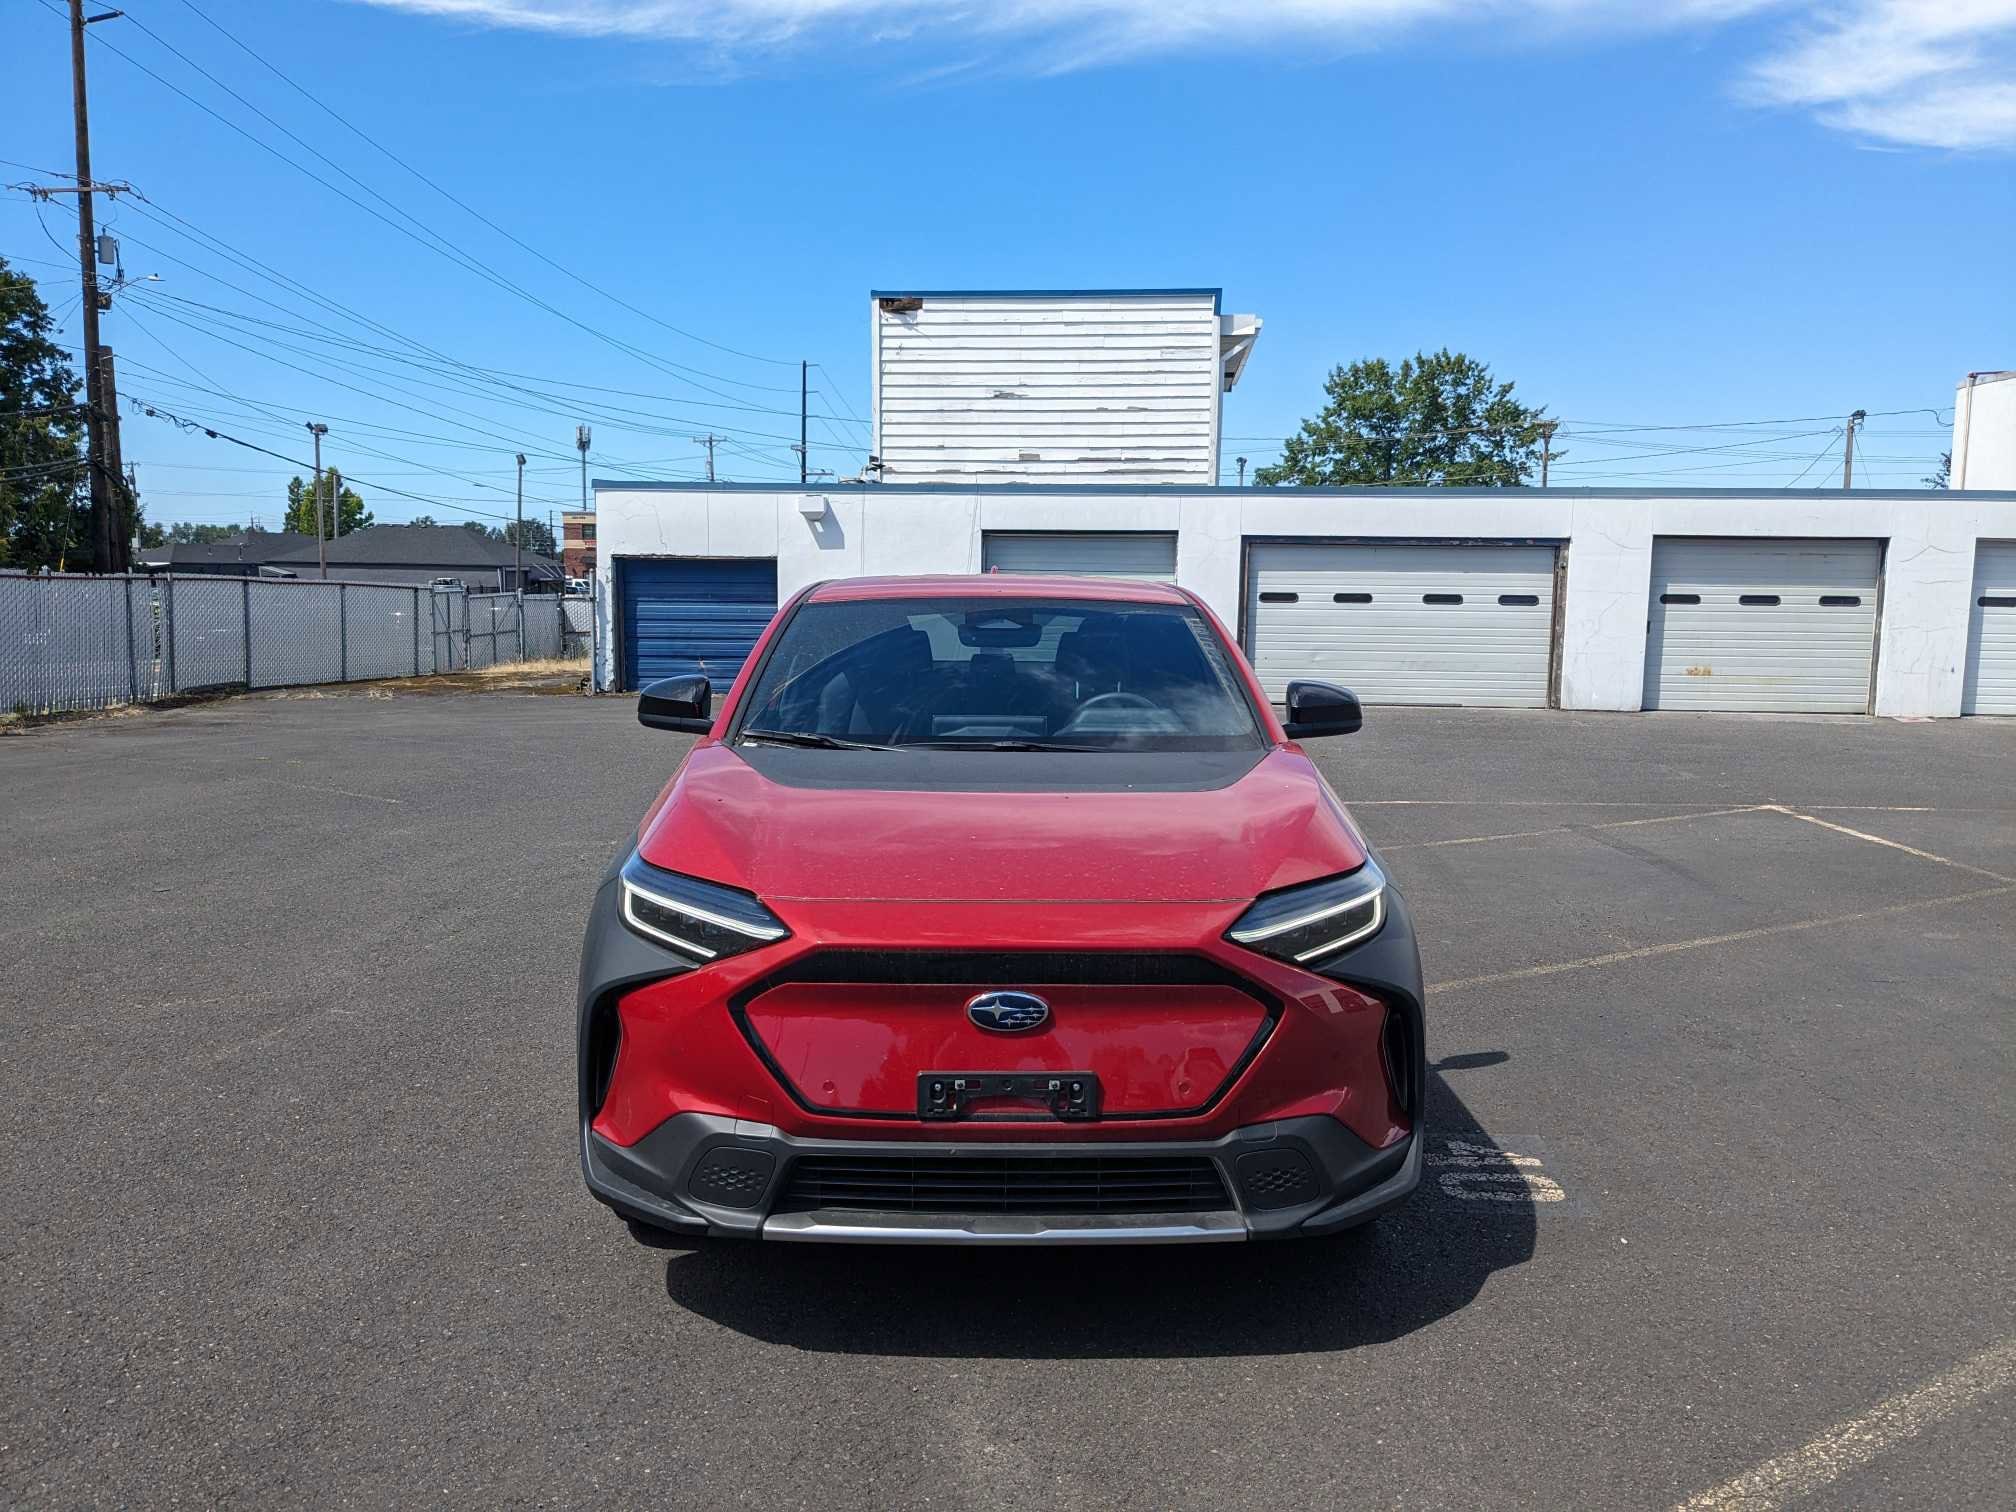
(416, 632)
(521, 624)
(246, 617)
(132, 671)
(343, 630)
(168, 630)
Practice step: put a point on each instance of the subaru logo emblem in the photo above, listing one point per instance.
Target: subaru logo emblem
(1008, 1012)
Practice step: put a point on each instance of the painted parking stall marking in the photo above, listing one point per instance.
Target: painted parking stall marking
(1484, 1173)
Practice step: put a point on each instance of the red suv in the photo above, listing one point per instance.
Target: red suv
(998, 910)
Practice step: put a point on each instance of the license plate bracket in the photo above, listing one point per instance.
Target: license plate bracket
(951, 1095)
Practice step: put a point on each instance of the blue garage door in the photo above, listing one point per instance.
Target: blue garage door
(693, 616)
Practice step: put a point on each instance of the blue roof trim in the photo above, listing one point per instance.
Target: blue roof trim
(1217, 295)
(1924, 495)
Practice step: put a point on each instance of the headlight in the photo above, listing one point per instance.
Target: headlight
(703, 920)
(1304, 924)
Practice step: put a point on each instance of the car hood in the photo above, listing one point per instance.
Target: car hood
(1276, 825)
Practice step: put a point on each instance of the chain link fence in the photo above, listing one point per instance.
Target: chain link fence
(75, 642)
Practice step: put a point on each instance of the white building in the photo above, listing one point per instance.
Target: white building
(1052, 386)
(1079, 432)
(1984, 431)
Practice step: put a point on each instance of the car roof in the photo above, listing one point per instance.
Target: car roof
(1042, 585)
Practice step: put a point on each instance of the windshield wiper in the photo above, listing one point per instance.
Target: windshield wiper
(996, 745)
(812, 739)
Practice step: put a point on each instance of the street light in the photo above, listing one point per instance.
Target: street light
(318, 431)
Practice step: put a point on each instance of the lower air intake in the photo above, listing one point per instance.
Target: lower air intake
(991, 1184)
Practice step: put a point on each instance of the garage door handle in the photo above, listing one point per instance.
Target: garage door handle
(1441, 598)
(1351, 598)
(1766, 600)
(1840, 600)
(1519, 600)
(1279, 598)
(1679, 598)
(1997, 601)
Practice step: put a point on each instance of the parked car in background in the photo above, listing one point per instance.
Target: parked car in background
(999, 910)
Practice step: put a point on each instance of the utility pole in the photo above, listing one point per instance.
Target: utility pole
(115, 467)
(518, 538)
(103, 555)
(1848, 449)
(1242, 470)
(708, 442)
(1546, 448)
(318, 431)
(803, 456)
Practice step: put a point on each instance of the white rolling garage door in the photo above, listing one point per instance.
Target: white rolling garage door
(1404, 624)
(1762, 625)
(1990, 687)
(1086, 553)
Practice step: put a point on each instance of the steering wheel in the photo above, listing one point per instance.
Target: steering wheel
(1115, 700)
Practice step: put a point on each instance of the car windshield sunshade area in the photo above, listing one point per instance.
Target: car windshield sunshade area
(1001, 674)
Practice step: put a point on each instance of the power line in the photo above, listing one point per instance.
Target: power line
(450, 196)
(425, 235)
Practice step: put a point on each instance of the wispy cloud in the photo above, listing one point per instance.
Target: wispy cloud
(1930, 73)
(1933, 73)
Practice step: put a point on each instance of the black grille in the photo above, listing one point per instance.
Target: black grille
(1000, 1184)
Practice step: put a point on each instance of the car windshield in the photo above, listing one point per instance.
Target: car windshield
(999, 674)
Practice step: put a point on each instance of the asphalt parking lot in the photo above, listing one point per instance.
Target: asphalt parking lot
(1722, 1121)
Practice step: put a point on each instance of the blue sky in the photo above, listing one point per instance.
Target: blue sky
(1739, 211)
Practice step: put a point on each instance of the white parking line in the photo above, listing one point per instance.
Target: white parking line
(1478, 1173)
(1610, 958)
(1850, 1445)
(1909, 850)
(1571, 829)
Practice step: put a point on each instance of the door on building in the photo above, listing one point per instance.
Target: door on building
(1087, 553)
(1990, 686)
(1407, 624)
(1760, 624)
(686, 614)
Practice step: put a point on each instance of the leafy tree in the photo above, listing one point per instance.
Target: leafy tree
(189, 533)
(538, 537)
(44, 498)
(477, 527)
(1437, 418)
(150, 535)
(301, 505)
(1943, 478)
(423, 520)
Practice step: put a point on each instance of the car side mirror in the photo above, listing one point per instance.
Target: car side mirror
(677, 703)
(1316, 708)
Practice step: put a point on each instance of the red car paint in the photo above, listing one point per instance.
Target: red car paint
(1166, 872)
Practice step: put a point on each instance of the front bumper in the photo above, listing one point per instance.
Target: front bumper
(700, 1175)
(698, 1135)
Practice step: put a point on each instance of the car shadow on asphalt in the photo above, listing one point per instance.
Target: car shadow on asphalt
(1419, 1262)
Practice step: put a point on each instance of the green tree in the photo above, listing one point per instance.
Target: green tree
(1437, 418)
(189, 533)
(1943, 478)
(44, 501)
(538, 537)
(423, 520)
(477, 527)
(301, 505)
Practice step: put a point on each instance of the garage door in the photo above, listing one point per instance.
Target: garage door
(692, 616)
(1991, 634)
(1404, 624)
(1762, 625)
(1120, 553)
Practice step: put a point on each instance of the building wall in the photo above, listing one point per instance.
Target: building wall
(1608, 535)
(577, 543)
(1047, 388)
(1984, 431)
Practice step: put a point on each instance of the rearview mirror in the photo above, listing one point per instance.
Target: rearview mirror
(1316, 708)
(677, 703)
